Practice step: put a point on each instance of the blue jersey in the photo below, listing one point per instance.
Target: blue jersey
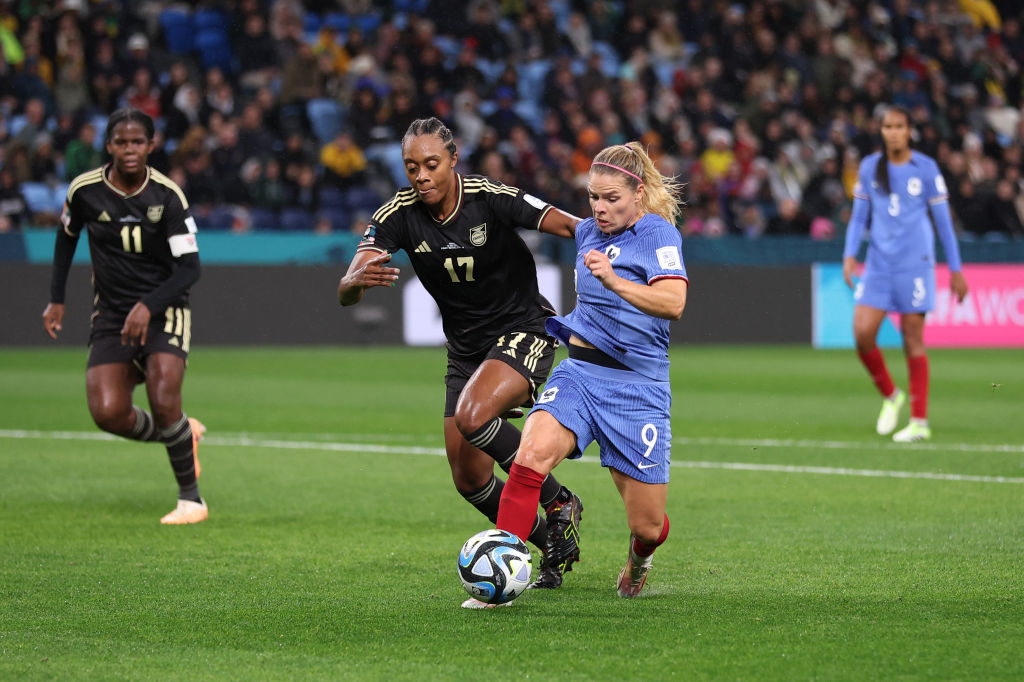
(646, 252)
(901, 236)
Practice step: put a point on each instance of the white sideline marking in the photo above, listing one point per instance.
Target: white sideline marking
(847, 445)
(255, 442)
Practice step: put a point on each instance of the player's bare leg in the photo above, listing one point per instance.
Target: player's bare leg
(648, 527)
(165, 374)
(495, 388)
(866, 323)
(912, 327)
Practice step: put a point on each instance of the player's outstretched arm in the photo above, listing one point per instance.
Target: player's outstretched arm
(559, 223)
(366, 270)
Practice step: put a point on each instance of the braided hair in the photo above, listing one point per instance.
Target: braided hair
(432, 126)
(130, 114)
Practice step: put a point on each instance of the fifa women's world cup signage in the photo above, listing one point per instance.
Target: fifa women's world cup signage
(991, 316)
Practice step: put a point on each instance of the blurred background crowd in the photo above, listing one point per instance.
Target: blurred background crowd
(288, 114)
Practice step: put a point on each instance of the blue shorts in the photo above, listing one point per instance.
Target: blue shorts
(626, 413)
(909, 291)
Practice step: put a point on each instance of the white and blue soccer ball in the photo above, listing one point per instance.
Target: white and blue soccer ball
(495, 566)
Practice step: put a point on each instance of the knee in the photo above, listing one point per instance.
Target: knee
(110, 417)
(864, 340)
(470, 416)
(649, 530)
(165, 405)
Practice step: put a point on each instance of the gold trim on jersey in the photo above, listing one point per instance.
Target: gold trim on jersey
(162, 179)
(122, 193)
(486, 185)
(461, 184)
(405, 197)
(86, 178)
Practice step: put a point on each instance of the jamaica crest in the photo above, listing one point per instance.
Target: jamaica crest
(478, 235)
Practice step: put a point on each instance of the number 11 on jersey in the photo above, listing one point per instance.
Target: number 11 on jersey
(132, 236)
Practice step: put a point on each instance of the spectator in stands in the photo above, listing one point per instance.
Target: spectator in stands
(142, 94)
(105, 78)
(790, 220)
(300, 82)
(33, 126)
(269, 191)
(14, 212)
(256, 60)
(1005, 220)
(343, 161)
(81, 154)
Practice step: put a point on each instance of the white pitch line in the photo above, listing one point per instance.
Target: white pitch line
(847, 445)
(252, 441)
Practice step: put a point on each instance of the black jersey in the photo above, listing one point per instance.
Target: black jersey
(474, 263)
(134, 239)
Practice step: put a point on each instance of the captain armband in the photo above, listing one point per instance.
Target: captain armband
(183, 243)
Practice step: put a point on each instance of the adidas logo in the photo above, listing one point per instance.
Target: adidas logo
(104, 217)
(509, 351)
(422, 248)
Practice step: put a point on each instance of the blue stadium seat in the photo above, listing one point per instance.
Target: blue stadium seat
(263, 219)
(338, 21)
(331, 197)
(177, 28)
(210, 19)
(60, 193)
(361, 198)
(214, 49)
(368, 23)
(16, 123)
(389, 155)
(530, 112)
(610, 61)
(414, 6)
(99, 121)
(217, 219)
(295, 219)
(338, 217)
(326, 117)
(38, 196)
(531, 79)
(311, 22)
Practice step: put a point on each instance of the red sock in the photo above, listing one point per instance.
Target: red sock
(917, 367)
(518, 507)
(874, 361)
(643, 549)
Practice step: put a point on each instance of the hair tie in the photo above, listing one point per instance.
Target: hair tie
(618, 168)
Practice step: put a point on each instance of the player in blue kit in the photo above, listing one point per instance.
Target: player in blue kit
(900, 193)
(614, 386)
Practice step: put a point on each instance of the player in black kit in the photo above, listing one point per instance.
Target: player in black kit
(144, 260)
(459, 233)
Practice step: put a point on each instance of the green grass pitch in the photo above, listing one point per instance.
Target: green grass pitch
(803, 546)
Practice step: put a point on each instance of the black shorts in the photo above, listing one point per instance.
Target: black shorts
(171, 335)
(529, 354)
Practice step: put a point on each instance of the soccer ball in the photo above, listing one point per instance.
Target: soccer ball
(495, 566)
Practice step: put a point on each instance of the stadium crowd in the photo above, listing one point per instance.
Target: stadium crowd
(287, 114)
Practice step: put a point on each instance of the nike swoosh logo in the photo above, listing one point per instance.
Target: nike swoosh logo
(646, 466)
